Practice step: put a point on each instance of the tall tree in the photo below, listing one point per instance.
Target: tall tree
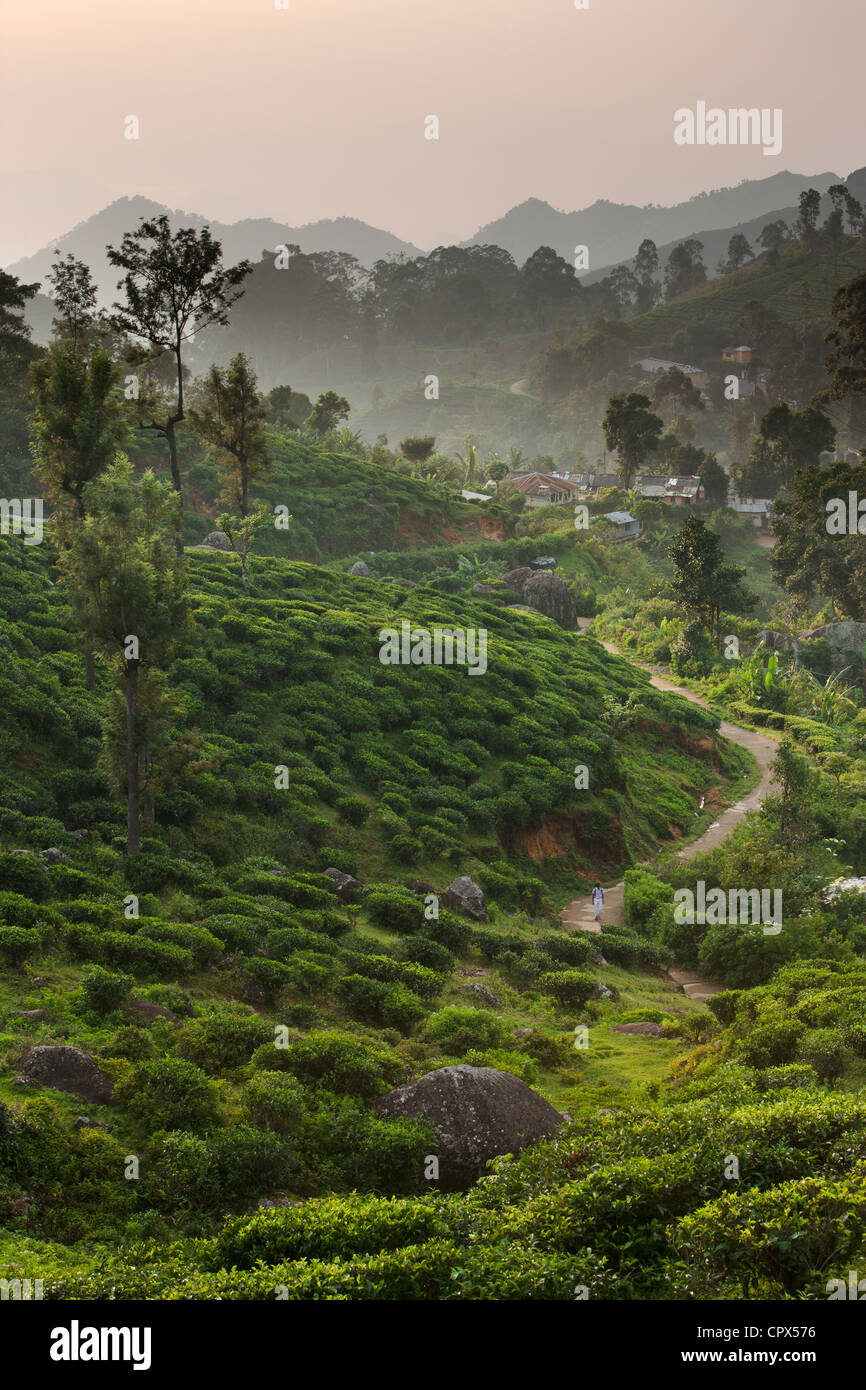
(174, 285)
(787, 440)
(685, 268)
(704, 582)
(632, 431)
(126, 588)
(773, 237)
(16, 354)
(739, 251)
(646, 268)
(78, 420)
(327, 413)
(417, 448)
(807, 221)
(74, 293)
(808, 558)
(229, 413)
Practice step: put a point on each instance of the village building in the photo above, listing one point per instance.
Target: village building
(627, 527)
(743, 354)
(545, 489)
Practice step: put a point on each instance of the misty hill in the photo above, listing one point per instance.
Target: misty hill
(614, 231)
(716, 239)
(247, 238)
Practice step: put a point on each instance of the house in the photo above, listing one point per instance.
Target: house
(652, 366)
(544, 489)
(743, 353)
(758, 508)
(652, 485)
(592, 483)
(684, 490)
(627, 527)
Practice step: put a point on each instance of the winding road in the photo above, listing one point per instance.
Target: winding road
(578, 914)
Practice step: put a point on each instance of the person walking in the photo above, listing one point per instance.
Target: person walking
(598, 900)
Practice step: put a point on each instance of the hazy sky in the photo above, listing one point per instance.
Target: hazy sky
(318, 110)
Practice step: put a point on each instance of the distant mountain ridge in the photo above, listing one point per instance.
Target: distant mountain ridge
(613, 231)
(247, 238)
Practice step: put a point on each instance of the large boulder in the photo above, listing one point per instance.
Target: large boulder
(463, 895)
(477, 1113)
(347, 888)
(217, 540)
(548, 594)
(68, 1069)
(516, 579)
(361, 569)
(844, 642)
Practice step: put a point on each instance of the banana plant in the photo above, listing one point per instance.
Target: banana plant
(765, 685)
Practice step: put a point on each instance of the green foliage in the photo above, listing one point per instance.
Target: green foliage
(169, 1093)
(456, 1029)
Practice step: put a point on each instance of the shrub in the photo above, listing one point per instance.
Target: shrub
(222, 1041)
(457, 1029)
(570, 988)
(103, 991)
(824, 1051)
(169, 1093)
(395, 909)
(270, 975)
(376, 1001)
(325, 1228)
(274, 1099)
(23, 873)
(17, 943)
(424, 951)
(795, 1075)
(130, 1042)
(772, 1044)
(335, 1062)
(203, 1172)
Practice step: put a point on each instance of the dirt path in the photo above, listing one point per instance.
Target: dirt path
(579, 913)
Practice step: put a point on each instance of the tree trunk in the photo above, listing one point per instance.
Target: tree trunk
(244, 575)
(131, 674)
(175, 478)
(89, 668)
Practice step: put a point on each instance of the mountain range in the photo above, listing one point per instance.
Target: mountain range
(611, 231)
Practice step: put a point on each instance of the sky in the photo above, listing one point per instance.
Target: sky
(318, 109)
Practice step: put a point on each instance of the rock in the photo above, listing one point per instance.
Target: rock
(844, 641)
(602, 991)
(54, 856)
(405, 583)
(68, 1069)
(471, 970)
(652, 1030)
(543, 562)
(777, 641)
(598, 959)
(361, 569)
(523, 1032)
(33, 1014)
(477, 1113)
(548, 594)
(515, 579)
(38, 980)
(347, 888)
(80, 834)
(254, 993)
(84, 1122)
(417, 885)
(24, 1081)
(145, 1011)
(217, 540)
(462, 895)
(481, 590)
(479, 991)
